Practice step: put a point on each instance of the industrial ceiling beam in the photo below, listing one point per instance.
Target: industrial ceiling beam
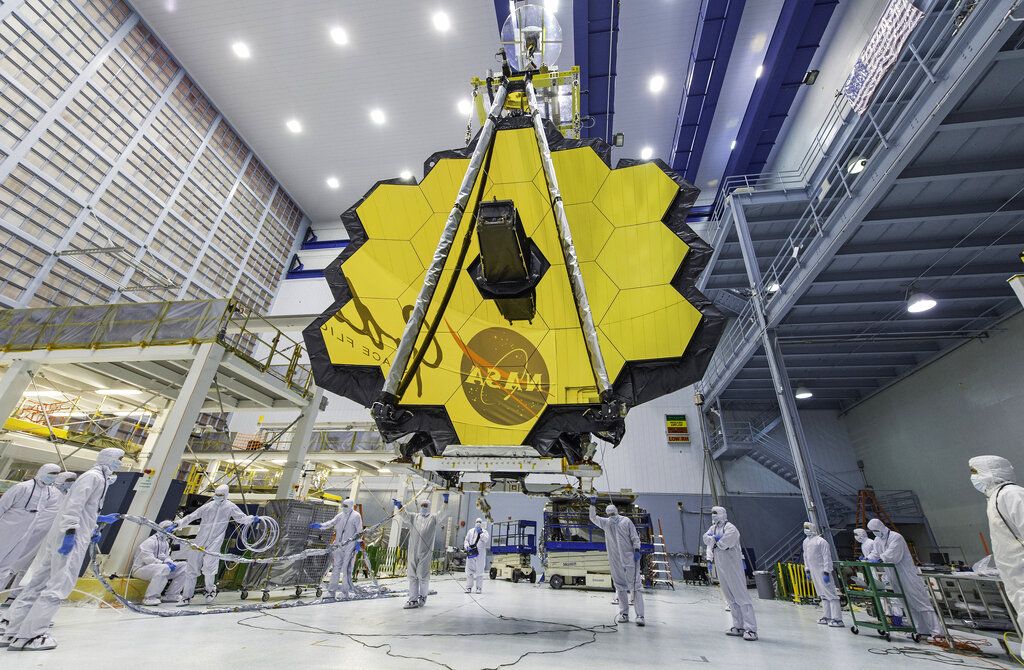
(989, 168)
(717, 25)
(595, 46)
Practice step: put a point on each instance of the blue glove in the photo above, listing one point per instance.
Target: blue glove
(444, 497)
(593, 500)
(107, 518)
(718, 538)
(171, 565)
(827, 578)
(255, 519)
(807, 573)
(874, 560)
(316, 526)
(68, 544)
(397, 502)
(96, 536)
(636, 555)
(861, 559)
(170, 529)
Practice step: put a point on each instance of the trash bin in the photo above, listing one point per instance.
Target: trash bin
(763, 580)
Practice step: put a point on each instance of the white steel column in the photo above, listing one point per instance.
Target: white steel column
(13, 384)
(167, 452)
(302, 432)
(395, 536)
(353, 491)
(210, 481)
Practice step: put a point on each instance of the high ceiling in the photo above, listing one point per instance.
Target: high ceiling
(398, 62)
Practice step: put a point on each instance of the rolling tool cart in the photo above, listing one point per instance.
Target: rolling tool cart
(876, 593)
(294, 518)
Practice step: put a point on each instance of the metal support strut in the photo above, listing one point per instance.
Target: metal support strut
(572, 264)
(419, 312)
(780, 381)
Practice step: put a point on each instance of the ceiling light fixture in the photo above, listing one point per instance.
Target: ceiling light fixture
(656, 84)
(646, 153)
(464, 106)
(378, 116)
(774, 287)
(759, 71)
(732, 145)
(241, 49)
(383, 471)
(802, 393)
(920, 302)
(293, 125)
(333, 182)
(442, 23)
(856, 165)
(339, 36)
(119, 391)
(406, 175)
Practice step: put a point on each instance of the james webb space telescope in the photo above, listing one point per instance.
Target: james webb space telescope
(522, 297)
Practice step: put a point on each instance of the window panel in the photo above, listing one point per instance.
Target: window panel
(98, 122)
(246, 209)
(258, 179)
(174, 136)
(60, 154)
(151, 168)
(190, 102)
(286, 211)
(195, 207)
(229, 146)
(149, 56)
(214, 176)
(27, 59)
(67, 285)
(107, 14)
(65, 28)
(20, 262)
(128, 206)
(119, 82)
(31, 204)
(18, 114)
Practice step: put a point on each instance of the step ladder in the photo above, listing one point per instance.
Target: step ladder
(660, 564)
(868, 504)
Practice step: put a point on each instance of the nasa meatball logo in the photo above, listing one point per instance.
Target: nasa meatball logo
(504, 377)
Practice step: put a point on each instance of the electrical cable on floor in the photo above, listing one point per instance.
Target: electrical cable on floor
(946, 658)
(1006, 643)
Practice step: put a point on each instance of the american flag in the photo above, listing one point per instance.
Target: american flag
(883, 49)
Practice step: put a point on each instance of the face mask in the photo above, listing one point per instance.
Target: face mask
(981, 482)
(808, 532)
(218, 499)
(48, 479)
(66, 486)
(877, 534)
(424, 511)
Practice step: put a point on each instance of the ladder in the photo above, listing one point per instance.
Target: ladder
(866, 498)
(661, 567)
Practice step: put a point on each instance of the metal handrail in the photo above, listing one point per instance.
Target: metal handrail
(850, 137)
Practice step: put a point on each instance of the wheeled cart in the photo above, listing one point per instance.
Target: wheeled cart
(300, 574)
(879, 595)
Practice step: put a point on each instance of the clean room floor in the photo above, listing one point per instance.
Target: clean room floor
(455, 630)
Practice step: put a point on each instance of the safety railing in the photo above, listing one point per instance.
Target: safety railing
(256, 340)
(845, 138)
(784, 548)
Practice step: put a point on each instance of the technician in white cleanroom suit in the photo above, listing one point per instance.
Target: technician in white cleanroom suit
(818, 566)
(993, 476)
(41, 526)
(868, 553)
(623, 545)
(20, 521)
(422, 532)
(55, 570)
(213, 516)
(890, 547)
(153, 563)
(348, 525)
(723, 548)
(475, 544)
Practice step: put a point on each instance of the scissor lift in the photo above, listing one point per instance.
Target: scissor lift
(513, 543)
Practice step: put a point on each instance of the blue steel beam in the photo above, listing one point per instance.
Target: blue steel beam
(501, 12)
(797, 35)
(717, 24)
(595, 46)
